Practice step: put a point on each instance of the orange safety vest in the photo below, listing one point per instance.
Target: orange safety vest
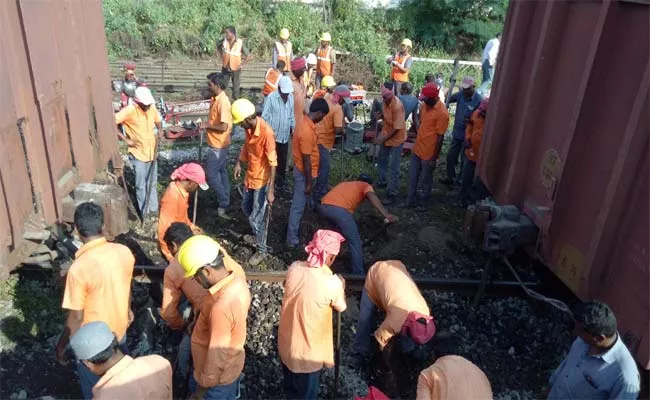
(324, 61)
(271, 80)
(397, 74)
(284, 53)
(232, 55)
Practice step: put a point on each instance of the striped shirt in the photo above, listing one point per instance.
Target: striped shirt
(279, 115)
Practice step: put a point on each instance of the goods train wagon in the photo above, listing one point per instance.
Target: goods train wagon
(567, 141)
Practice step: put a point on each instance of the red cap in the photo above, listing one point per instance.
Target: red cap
(193, 172)
(419, 327)
(298, 63)
(373, 394)
(129, 66)
(430, 90)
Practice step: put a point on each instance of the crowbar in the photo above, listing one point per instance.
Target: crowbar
(337, 356)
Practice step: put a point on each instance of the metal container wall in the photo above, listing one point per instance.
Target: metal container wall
(56, 122)
(567, 141)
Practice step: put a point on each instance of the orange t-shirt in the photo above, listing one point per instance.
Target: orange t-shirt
(173, 208)
(433, 124)
(348, 195)
(305, 334)
(138, 126)
(474, 133)
(298, 98)
(259, 152)
(99, 284)
(451, 378)
(326, 129)
(394, 119)
(390, 287)
(219, 113)
(147, 377)
(319, 93)
(305, 142)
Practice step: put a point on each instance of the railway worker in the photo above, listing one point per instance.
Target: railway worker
(338, 207)
(306, 159)
(219, 332)
(489, 60)
(327, 86)
(451, 376)
(473, 138)
(279, 113)
(431, 125)
(97, 287)
(305, 333)
(186, 179)
(391, 139)
(260, 155)
(409, 101)
(325, 59)
(283, 50)
(138, 121)
(129, 84)
(234, 56)
(218, 130)
(401, 64)
(467, 100)
(272, 79)
(310, 75)
(599, 365)
(118, 375)
(298, 69)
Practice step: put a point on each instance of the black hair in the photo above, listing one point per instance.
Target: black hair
(446, 344)
(280, 65)
(178, 232)
(388, 85)
(106, 354)
(365, 178)
(218, 79)
(89, 219)
(596, 318)
(319, 104)
(499, 35)
(407, 88)
(232, 30)
(430, 77)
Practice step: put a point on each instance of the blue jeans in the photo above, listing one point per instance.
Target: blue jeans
(456, 149)
(365, 325)
(389, 158)
(420, 168)
(320, 190)
(219, 392)
(254, 206)
(184, 354)
(141, 170)
(344, 220)
(301, 386)
(467, 187)
(216, 163)
(87, 380)
(297, 206)
(488, 72)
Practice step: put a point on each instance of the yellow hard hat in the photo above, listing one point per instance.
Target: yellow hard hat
(407, 42)
(326, 37)
(284, 33)
(241, 109)
(327, 82)
(197, 252)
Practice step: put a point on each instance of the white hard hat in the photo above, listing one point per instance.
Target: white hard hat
(311, 59)
(143, 96)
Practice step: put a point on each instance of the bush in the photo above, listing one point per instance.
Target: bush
(304, 24)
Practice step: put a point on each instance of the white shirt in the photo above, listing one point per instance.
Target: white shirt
(491, 51)
(279, 115)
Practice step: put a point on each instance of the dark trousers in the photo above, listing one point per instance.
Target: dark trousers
(397, 86)
(282, 149)
(301, 386)
(455, 150)
(236, 80)
(467, 195)
(420, 171)
(346, 223)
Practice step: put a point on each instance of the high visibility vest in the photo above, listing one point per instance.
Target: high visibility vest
(232, 55)
(324, 61)
(284, 53)
(271, 80)
(397, 74)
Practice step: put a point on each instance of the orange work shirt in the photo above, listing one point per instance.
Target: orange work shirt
(173, 208)
(305, 142)
(451, 378)
(305, 334)
(99, 284)
(259, 152)
(474, 133)
(147, 377)
(220, 333)
(219, 113)
(390, 287)
(326, 128)
(394, 119)
(325, 59)
(138, 126)
(433, 125)
(298, 98)
(271, 80)
(348, 195)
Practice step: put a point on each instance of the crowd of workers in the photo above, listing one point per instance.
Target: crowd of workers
(206, 295)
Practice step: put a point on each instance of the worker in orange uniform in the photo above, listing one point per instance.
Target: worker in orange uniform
(401, 64)
(391, 139)
(339, 205)
(219, 332)
(310, 75)
(97, 287)
(325, 58)
(175, 202)
(431, 124)
(272, 78)
(306, 160)
(138, 121)
(327, 86)
(234, 55)
(298, 69)
(451, 376)
(283, 51)
(305, 334)
(259, 153)
(473, 138)
(120, 376)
